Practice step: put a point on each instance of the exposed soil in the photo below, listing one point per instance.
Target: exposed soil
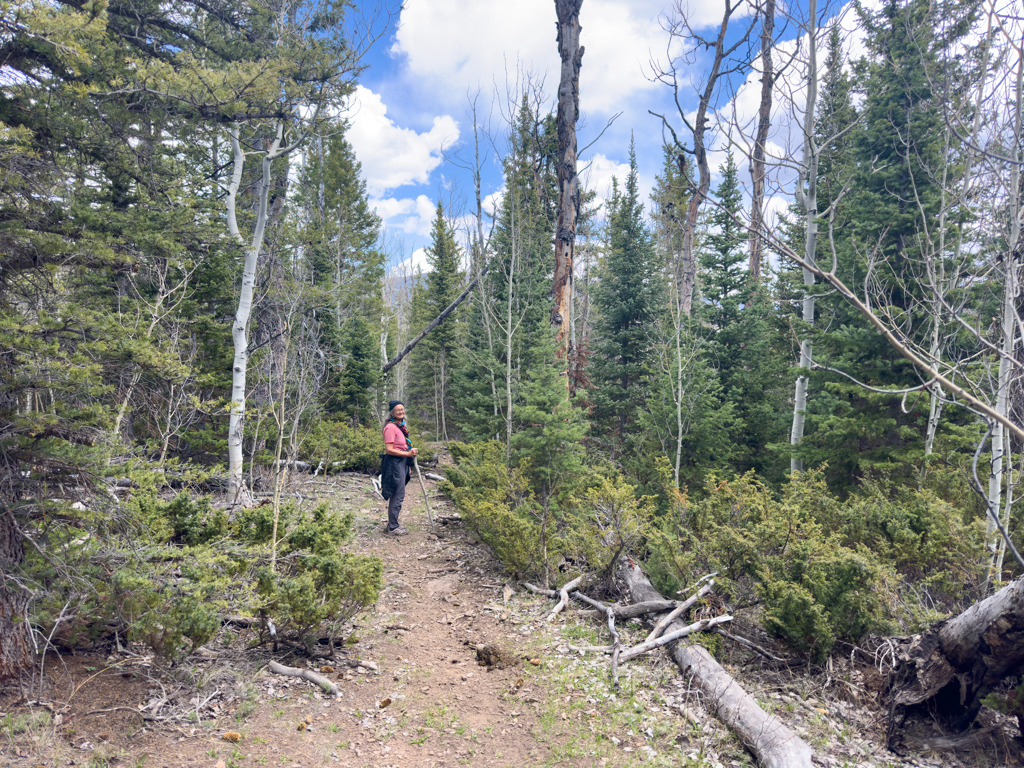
(453, 666)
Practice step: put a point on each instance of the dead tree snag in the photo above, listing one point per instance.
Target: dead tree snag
(571, 53)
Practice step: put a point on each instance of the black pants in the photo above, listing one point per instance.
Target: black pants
(395, 506)
(394, 474)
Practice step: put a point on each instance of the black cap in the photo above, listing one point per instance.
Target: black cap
(393, 404)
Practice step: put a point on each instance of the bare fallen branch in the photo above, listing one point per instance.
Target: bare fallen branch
(305, 674)
(683, 606)
(540, 590)
(650, 645)
(752, 646)
(563, 595)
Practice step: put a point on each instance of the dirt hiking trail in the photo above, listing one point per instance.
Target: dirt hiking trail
(414, 695)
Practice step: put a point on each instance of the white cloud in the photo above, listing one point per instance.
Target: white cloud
(597, 175)
(492, 201)
(394, 156)
(412, 216)
(460, 44)
(418, 261)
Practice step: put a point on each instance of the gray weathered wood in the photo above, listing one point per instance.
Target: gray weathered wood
(571, 53)
(771, 741)
(974, 651)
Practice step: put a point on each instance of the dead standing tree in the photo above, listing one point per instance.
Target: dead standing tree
(729, 59)
(764, 112)
(571, 53)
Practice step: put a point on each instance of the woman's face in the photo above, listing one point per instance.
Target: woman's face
(399, 413)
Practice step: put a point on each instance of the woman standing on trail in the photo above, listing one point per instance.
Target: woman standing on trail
(394, 469)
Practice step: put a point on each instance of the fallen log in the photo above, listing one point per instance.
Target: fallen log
(305, 674)
(773, 743)
(954, 665)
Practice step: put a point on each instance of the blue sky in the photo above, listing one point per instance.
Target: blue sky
(412, 101)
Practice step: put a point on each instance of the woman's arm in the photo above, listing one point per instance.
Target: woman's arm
(390, 450)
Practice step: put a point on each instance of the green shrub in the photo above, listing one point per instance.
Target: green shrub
(315, 584)
(608, 521)
(813, 588)
(194, 521)
(165, 572)
(340, 446)
(495, 502)
(162, 611)
(939, 555)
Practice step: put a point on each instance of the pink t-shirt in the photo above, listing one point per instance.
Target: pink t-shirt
(394, 438)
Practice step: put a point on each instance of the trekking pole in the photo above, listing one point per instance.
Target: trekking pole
(426, 500)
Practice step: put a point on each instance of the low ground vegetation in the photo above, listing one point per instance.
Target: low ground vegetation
(819, 569)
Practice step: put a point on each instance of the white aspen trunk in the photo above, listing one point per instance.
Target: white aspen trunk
(240, 326)
(678, 393)
(1006, 347)
(1008, 342)
(809, 199)
(1010, 487)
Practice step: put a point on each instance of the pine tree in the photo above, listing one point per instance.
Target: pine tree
(548, 447)
(629, 300)
(437, 356)
(742, 337)
(516, 293)
(341, 233)
(893, 164)
(724, 279)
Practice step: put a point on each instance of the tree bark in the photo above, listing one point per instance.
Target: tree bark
(954, 665)
(807, 196)
(763, 124)
(1008, 339)
(768, 738)
(571, 53)
(240, 326)
(15, 642)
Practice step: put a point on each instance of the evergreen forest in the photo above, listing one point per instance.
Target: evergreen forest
(795, 362)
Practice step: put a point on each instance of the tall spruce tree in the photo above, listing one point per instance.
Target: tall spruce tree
(723, 279)
(437, 356)
(341, 232)
(515, 293)
(629, 299)
(893, 164)
(742, 337)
